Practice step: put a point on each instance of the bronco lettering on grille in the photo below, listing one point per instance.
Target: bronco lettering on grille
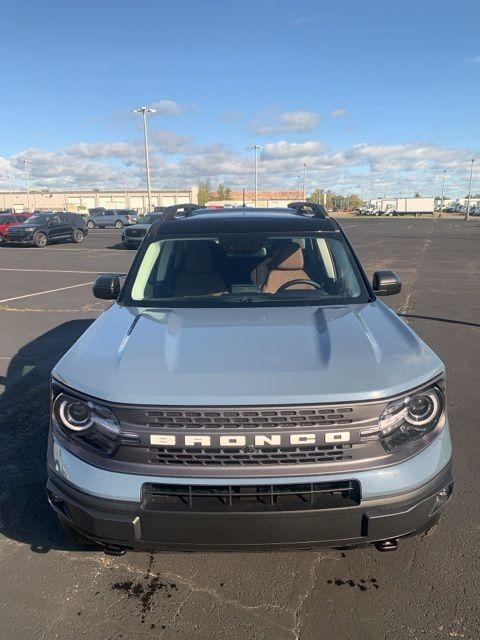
(250, 440)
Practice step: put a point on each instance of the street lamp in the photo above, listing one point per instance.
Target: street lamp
(27, 187)
(304, 180)
(443, 189)
(11, 195)
(256, 147)
(144, 111)
(467, 213)
(298, 186)
(125, 188)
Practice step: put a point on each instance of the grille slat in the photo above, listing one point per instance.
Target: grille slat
(232, 418)
(280, 455)
(324, 495)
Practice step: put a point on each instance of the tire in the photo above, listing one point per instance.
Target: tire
(119, 224)
(91, 224)
(78, 236)
(75, 536)
(40, 240)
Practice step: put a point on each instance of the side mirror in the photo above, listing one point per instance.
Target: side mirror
(107, 286)
(386, 283)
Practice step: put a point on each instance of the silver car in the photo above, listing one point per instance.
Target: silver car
(117, 218)
(248, 389)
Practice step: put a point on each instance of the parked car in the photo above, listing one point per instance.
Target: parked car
(133, 235)
(43, 228)
(247, 388)
(118, 218)
(11, 220)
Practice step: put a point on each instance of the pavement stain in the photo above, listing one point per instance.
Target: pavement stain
(145, 590)
(364, 584)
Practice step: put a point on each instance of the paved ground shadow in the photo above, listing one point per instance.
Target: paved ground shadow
(25, 515)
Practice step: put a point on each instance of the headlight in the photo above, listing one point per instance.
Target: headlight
(408, 418)
(87, 423)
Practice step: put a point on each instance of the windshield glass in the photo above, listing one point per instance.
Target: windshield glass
(235, 269)
(149, 218)
(39, 219)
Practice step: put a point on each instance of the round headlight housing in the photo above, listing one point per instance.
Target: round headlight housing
(73, 413)
(408, 418)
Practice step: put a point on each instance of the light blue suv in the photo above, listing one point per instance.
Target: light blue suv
(248, 389)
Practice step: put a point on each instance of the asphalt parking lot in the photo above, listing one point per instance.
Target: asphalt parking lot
(50, 589)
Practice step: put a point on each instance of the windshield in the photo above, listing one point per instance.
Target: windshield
(150, 218)
(7, 219)
(236, 269)
(39, 219)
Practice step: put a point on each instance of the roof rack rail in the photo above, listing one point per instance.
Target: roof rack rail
(308, 209)
(184, 209)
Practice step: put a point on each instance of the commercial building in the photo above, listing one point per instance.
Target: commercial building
(81, 201)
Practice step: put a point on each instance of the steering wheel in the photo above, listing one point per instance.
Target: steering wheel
(291, 283)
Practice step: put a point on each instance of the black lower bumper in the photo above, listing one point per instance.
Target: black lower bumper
(129, 525)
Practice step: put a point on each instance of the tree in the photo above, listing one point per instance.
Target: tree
(417, 195)
(220, 192)
(228, 194)
(317, 197)
(204, 190)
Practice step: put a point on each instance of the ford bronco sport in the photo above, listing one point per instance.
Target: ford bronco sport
(248, 389)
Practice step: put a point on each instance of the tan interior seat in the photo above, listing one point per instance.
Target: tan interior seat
(199, 277)
(286, 266)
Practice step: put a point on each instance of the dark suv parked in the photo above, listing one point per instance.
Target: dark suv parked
(42, 228)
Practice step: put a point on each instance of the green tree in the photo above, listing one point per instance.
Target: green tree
(204, 190)
(228, 194)
(220, 192)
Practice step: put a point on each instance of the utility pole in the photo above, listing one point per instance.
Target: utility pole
(467, 213)
(27, 187)
(443, 189)
(125, 188)
(11, 195)
(304, 180)
(144, 111)
(256, 147)
(298, 186)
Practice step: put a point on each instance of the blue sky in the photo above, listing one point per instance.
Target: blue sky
(365, 92)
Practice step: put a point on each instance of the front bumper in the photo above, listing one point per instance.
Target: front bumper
(133, 524)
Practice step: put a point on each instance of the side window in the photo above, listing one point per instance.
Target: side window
(54, 220)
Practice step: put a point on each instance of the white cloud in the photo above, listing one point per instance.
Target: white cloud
(168, 108)
(288, 122)
(474, 59)
(339, 113)
(284, 149)
(174, 158)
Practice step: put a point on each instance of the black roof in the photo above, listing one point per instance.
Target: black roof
(242, 220)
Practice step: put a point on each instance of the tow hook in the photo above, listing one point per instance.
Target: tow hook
(386, 545)
(114, 550)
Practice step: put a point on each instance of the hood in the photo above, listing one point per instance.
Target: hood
(236, 356)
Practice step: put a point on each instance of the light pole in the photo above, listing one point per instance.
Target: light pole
(125, 188)
(443, 190)
(11, 195)
(304, 180)
(298, 186)
(256, 147)
(144, 111)
(27, 187)
(467, 212)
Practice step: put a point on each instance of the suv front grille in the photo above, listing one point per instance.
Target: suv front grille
(245, 456)
(234, 418)
(247, 498)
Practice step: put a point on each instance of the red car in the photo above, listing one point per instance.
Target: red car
(11, 220)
